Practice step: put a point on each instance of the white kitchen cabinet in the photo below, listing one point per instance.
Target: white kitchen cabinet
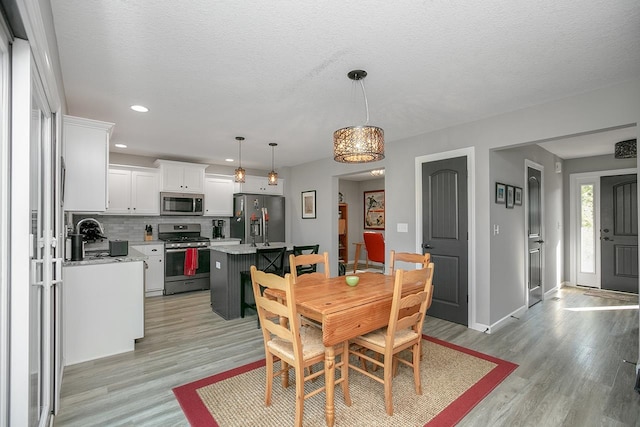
(259, 185)
(86, 156)
(181, 177)
(154, 274)
(133, 191)
(218, 195)
(103, 310)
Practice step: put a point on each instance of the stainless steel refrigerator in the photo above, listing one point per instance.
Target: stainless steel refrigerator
(255, 215)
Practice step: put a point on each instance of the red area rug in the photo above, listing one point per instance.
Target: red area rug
(454, 380)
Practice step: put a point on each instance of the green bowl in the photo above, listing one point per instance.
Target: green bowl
(352, 280)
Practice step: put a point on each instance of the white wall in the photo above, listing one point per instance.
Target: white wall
(600, 109)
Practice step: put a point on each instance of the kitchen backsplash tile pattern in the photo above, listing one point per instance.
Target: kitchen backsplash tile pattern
(132, 228)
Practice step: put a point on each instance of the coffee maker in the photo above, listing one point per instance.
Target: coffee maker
(218, 229)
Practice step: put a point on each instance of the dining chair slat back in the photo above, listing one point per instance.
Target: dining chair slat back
(305, 250)
(307, 260)
(408, 258)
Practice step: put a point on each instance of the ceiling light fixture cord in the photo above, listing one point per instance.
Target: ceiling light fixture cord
(366, 102)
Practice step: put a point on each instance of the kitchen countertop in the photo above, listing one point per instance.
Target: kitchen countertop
(246, 248)
(106, 259)
(145, 242)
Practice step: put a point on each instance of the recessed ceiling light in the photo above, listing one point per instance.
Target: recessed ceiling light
(228, 160)
(120, 145)
(139, 108)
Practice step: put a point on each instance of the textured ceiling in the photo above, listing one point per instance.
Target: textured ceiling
(276, 71)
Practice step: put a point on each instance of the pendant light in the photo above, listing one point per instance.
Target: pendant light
(239, 173)
(626, 149)
(359, 144)
(273, 175)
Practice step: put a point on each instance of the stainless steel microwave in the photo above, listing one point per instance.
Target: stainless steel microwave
(181, 204)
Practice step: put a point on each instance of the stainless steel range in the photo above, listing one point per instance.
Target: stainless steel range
(177, 239)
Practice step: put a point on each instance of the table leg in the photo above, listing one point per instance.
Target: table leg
(329, 374)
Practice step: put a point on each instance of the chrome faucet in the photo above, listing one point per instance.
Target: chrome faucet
(86, 220)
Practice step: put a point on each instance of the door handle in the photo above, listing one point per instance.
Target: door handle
(607, 238)
(539, 241)
(427, 246)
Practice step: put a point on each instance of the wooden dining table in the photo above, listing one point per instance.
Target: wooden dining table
(345, 312)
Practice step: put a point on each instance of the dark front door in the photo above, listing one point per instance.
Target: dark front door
(444, 216)
(534, 234)
(619, 232)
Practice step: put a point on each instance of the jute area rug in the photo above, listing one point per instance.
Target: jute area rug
(454, 380)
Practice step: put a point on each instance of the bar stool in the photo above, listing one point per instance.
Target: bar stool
(269, 260)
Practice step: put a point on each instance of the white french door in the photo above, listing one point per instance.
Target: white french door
(4, 223)
(33, 227)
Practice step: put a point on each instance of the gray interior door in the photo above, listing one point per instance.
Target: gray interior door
(445, 236)
(534, 234)
(619, 232)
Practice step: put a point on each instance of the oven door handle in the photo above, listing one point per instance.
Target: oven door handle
(170, 251)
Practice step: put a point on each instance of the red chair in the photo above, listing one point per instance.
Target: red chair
(374, 243)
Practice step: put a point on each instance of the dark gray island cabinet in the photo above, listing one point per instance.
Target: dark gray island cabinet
(227, 262)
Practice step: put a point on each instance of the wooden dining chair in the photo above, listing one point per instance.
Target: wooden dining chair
(296, 347)
(407, 257)
(307, 260)
(404, 331)
(305, 250)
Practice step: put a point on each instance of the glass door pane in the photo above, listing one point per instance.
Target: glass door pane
(587, 230)
(36, 318)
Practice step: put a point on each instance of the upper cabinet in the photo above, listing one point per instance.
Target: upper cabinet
(86, 155)
(259, 185)
(133, 191)
(181, 177)
(218, 195)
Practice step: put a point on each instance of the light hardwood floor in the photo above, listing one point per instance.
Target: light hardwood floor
(571, 369)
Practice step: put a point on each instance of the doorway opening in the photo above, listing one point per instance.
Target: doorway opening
(589, 235)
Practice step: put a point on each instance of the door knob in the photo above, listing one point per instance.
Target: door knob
(607, 238)
(427, 246)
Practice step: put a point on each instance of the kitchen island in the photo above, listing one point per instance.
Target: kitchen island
(102, 306)
(227, 261)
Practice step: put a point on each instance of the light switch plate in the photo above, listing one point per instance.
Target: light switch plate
(218, 265)
(403, 227)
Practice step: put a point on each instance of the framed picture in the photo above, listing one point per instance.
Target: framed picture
(517, 197)
(374, 210)
(510, 196)
(308, 204)
(500, 192)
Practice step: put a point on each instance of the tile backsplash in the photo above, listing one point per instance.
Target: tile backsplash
(132, 228)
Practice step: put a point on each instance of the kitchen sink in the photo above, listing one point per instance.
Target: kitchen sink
(96, 254)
